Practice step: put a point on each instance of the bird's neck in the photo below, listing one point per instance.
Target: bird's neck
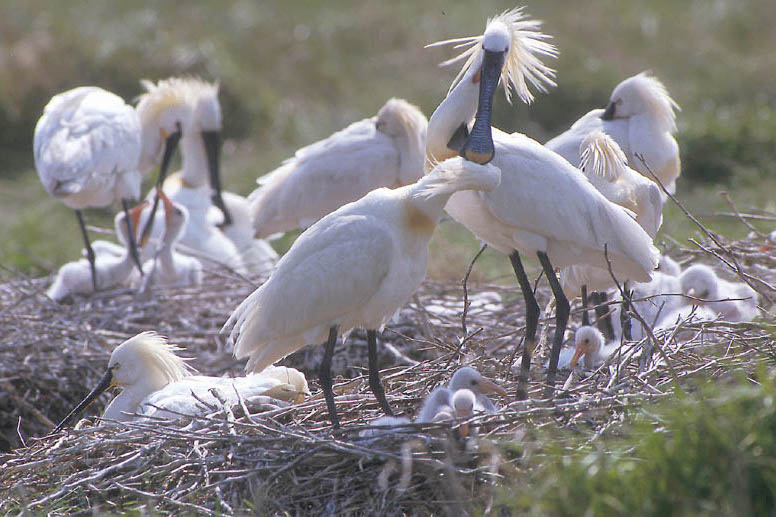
(194, 168)
(128, 401)
(459, 107)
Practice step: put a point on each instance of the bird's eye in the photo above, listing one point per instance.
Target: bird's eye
(704, 294)
(474, 382)
(618, 102)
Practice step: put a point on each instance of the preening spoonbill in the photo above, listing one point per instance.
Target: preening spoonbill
(170, 268)
(641, 117)
(111, 270)
(354, 268)
(383, 151)
(157, 382)
(606, 166)
(87, 147)
(543, 205)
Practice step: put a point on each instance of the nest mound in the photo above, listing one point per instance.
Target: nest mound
(288, 460)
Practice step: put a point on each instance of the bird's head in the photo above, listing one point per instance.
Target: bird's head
(120, 224)
(700, 281)
(642, 94)
(145, 358)
(463, 405)
(165, 112)
(588, 341)
(601, 156)
(469, 378)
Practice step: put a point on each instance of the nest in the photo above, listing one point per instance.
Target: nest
(288, 460)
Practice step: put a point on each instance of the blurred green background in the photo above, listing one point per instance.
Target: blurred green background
(294, 72)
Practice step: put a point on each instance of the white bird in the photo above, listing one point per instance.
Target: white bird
(732, 300)
(383, 151)
(653, 300)
(605, 165)
(591, 345)
(157, 382)
(641, 118)
(544, 206)
(87, 147)
(388, 422)
(111, 270)
(441, 400)
(219, 223)
(170, 268)
(669, 266)
(354, 268)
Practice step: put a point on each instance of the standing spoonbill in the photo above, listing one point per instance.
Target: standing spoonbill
(110, 270)
(157, 382)
(543, 206)
(354, 268)
(383, 151)
(641, 118)
(87, 146)
(219, 223)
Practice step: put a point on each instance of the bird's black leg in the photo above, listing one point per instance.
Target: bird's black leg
(89, 251)
(325, 375)
(602, 316)
(585, 315)
(561, 320)
(131, 236)
(374, 372)
(531, 324)
(625, 320)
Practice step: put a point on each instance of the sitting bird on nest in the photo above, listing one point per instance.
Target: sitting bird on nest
(354, 268)
(156, 382)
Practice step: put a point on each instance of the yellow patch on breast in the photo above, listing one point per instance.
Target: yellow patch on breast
(416, 221)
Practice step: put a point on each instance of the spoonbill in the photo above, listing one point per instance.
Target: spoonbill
(700, 281)
(219, 224)
(591, 345)
(382, 151)
(669, 266)
(158, 382)
(641, 118)
(110, 270)
(168, 267)
(543, 206)
(605, 165)
(353, 268)
(442, 399)
(87, 146)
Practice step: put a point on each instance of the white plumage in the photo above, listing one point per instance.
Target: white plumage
(113, 270)
(170, 268)
(641, 118)
(463, 395)
(605, 166)
(354, 268)
(156, 382)
(87, 147)
(383, 151)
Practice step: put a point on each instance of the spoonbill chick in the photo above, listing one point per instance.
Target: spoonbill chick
(170, 268)
(733, 301)
(388, 422)
(256, 254)
(383, 151)
(87, 146)
(544, 206)
(111, 270)
(156, 381)
(641, 118)
(435, 403)
(669, 266)
(591, 345)
(472, 380)
(354, 268)
(652, 300)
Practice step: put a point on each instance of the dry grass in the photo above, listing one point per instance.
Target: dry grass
(288, 460)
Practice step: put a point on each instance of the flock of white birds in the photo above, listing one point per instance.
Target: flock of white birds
(587, 203)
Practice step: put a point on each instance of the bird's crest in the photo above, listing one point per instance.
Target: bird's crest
(600, 155)
(158, 354)
(657, 97)
(523, 65)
